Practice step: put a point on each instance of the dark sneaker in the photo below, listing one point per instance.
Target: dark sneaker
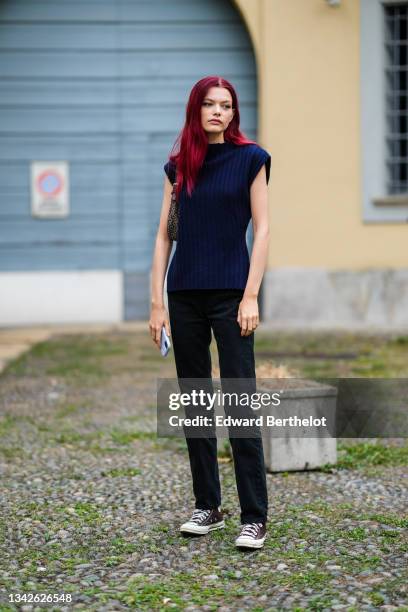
(252, 535)
(203, 521)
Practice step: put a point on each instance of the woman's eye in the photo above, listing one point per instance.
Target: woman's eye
(226, 107)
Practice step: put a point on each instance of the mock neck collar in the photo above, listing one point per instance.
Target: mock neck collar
(217, 148)
(219, 144)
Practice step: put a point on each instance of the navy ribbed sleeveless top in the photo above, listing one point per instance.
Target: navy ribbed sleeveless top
(211, 251)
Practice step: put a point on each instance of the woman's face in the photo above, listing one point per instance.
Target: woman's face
(216, 105)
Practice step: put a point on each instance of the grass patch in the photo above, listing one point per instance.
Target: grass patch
(121, 472)
(143, 595)
(224, 450)
(71, 436)
(77, 355)
(377, 598)
(12, 452)
(193, 589)
(321, 602)
(79, 513)
(314, 578)
(87, 511)
(387, 519)
(357, 534)
(399, 341)
(120, 546)
(349, 354)
(67, 410)
(12, 421)
(178, 445)
(126, 437)
(363, 454)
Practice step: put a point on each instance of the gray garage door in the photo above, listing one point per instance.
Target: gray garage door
(103, 84)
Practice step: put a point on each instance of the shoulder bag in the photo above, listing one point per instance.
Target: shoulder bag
(173, 218)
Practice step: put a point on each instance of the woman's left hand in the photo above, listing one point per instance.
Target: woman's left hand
(248, 315)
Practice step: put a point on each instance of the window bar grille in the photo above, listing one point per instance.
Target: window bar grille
(396, 76)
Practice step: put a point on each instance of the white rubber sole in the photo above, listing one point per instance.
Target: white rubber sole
(191, 528)
(248, 543)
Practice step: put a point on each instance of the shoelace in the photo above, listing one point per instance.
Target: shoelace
(199, 515)
(251, 529)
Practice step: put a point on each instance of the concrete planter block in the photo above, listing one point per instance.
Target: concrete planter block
(289, 453)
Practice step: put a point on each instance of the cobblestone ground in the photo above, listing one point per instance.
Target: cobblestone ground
(91, 499)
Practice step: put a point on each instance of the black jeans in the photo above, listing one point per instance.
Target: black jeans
(192, 314)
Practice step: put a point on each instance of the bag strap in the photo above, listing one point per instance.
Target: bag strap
(175, 182)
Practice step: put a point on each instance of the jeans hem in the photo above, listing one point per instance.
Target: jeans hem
(254, 519)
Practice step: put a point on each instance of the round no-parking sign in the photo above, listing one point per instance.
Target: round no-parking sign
(49, 189)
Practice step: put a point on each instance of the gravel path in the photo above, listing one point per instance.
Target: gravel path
(91, 502)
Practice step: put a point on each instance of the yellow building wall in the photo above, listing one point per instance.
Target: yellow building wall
(308, 59)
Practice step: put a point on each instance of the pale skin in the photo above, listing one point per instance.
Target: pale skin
(216, 105)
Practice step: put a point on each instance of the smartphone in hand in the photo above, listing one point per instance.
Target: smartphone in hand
(165, 343)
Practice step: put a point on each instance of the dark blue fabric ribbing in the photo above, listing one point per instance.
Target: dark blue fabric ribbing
(211, 250)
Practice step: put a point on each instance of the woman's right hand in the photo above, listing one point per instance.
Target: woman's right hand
(158, 318)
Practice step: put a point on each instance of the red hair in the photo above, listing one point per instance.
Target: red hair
(193, 140)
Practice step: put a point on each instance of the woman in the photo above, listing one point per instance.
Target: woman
(211, 284)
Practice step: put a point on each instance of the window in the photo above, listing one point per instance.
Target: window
(396, 42)
(384, 112)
